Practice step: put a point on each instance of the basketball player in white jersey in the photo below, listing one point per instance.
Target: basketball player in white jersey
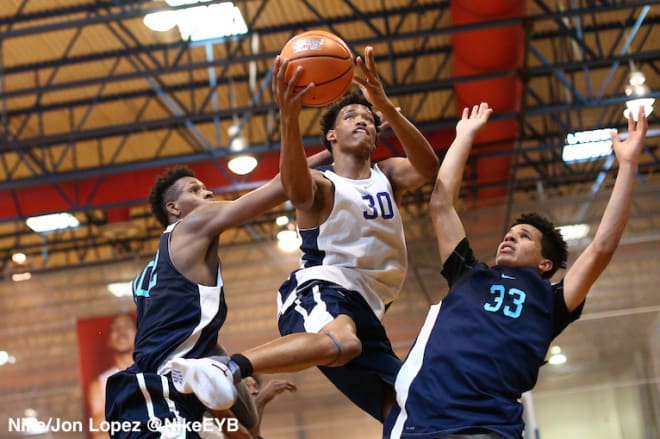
(354, 254)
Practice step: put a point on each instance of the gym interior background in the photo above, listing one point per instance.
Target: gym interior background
(95, 104)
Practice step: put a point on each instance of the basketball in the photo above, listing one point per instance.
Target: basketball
(327, 61)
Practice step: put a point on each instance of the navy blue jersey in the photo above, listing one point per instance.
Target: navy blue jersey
(175, 317)
(480, 348)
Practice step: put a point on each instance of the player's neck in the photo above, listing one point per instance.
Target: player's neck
(352, 167)
(123, 360)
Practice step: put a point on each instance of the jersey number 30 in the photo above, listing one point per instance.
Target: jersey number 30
(384, 206)
(514, 296)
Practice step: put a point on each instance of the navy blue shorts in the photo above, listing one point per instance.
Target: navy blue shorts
(134, 400)
(368, 380)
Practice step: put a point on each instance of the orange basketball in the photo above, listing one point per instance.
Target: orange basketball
(327, 62)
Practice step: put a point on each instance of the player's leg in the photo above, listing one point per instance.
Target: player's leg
(367, 380)
(314, 334)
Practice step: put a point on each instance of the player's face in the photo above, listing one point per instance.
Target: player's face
(521, 247)
(192, 194)
(122, 334)
(355, 126)
(252, 385)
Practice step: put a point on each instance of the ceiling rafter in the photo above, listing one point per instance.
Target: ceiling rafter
(175, 85)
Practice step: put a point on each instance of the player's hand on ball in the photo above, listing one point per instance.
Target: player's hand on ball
(369, 82)
(284, 91)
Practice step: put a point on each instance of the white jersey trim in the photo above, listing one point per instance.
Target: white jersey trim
(411, 366)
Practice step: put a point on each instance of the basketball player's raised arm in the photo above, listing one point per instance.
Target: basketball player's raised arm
(593, 260)
(296, 177)
(446, 222)
(449, 230)
(421, 162)
(453, 165)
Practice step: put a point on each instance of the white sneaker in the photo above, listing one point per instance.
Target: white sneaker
(210, 380)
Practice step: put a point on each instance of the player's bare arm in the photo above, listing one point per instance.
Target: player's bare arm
(593, 260)
(421, 163)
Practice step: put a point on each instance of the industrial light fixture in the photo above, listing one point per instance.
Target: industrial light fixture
(574, 232)
(6, 358)
(52, 222)
(199, 22)
(20, 277)
(282, 220)
(556, 357)
(288, 240)
(121, 289)
(638, 91)
(243, 163)
(589, 145)
(30, 425)
(19, 258)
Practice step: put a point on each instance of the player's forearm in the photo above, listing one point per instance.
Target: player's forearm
(417, 148)
(294, 172)
(617, 211)
(453, 165)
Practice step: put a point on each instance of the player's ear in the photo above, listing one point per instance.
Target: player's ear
(545, 265)
(330, 136)
(173, 209)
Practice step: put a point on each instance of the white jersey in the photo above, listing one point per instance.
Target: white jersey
(361, 246)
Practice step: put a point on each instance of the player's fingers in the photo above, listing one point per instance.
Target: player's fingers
(300, 94)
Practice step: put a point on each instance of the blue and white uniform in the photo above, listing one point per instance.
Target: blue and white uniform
(354, 263)
(175, 318)
(479, 349)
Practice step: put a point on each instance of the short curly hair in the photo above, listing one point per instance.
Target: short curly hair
(553, 246)
(162, 191)
(329, 118)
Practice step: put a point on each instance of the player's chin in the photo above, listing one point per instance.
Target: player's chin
(504, 259)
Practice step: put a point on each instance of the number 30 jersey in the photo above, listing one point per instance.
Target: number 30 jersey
(479, 349)
(361, 246)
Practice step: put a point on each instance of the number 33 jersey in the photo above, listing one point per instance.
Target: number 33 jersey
(479, 349)
(361, 246)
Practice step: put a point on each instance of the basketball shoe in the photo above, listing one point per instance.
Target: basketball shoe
(208, 378)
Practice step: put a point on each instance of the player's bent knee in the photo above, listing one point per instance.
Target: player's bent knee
(347, 347)
(352, 347)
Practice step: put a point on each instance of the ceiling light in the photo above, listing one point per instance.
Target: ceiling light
(31, 425)
(20, 277)
(573, 232)
(121, 289)
(19, 258)
(587, 145)
(6, 358)
(52, 222)
(282, 220)
(634, 105)
(638, 91)
(242, 164)
(556, 357)
(288, 240)
(161, 21)
(199, 23)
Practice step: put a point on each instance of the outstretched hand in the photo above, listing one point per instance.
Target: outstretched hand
(284, 91)
(630, 149)
(472, 122)
(273, 388)
(370, 82)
